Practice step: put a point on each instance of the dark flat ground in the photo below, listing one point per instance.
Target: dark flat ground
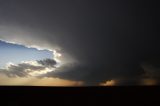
(29, 95)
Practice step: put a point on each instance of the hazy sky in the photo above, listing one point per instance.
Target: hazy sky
(93, 42)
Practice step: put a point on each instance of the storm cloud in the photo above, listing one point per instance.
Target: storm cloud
(99, 40)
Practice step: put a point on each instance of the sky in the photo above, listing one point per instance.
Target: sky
(80, 42)
(13, 53)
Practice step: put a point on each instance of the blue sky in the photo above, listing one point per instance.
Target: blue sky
(16, 53)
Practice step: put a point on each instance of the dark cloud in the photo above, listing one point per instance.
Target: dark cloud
(24, 69)
(20, 70)
(152, 68)
(110, 39)
(47, 62)
(94, 75)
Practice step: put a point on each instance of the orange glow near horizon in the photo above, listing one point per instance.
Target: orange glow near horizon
(109, 83)
(33, 81)
(148, 82)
